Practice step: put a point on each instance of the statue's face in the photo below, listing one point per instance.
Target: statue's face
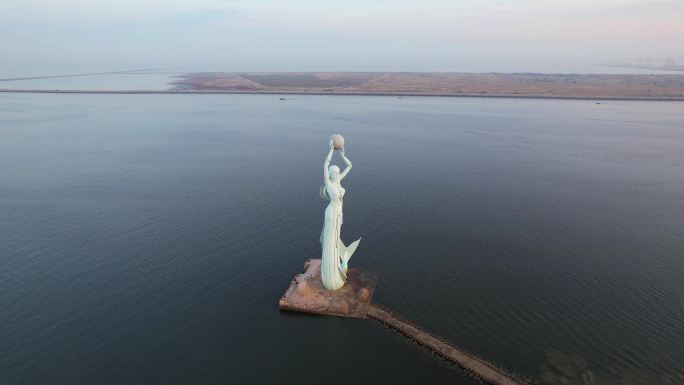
(334, 173)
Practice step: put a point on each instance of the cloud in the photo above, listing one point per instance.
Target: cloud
(629, 10)
(108, 10)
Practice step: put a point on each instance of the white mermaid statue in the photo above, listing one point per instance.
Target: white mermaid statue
(335, 254)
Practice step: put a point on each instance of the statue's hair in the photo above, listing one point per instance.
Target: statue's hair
(323, 193)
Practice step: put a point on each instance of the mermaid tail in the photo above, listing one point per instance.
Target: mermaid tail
(345, 253)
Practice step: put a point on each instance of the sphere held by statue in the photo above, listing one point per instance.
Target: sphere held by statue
(338, 141)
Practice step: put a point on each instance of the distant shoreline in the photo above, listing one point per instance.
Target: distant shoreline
(389, 94)
(652, 87)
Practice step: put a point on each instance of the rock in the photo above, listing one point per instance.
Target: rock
(307, 294)
(363, 294)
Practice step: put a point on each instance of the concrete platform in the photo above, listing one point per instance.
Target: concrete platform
(307, 294)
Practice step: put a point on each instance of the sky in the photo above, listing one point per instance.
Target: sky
(72, 36)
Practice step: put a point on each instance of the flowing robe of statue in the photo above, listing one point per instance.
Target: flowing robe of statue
(335, 255)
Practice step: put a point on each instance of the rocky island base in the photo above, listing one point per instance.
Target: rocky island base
(307, 294)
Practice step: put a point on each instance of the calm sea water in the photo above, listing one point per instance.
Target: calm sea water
(147, 239)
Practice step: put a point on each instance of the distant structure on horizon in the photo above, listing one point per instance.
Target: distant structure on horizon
(668, 64)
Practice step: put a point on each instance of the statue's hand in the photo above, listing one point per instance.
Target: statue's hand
(330, 143)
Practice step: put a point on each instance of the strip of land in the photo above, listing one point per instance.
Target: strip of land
(125, 72)
(641, 87)
(523, 85)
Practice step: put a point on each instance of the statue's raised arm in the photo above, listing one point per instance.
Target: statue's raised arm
(326, 163)
(347, 162)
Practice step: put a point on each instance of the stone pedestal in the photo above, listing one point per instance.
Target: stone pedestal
(307, 294)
